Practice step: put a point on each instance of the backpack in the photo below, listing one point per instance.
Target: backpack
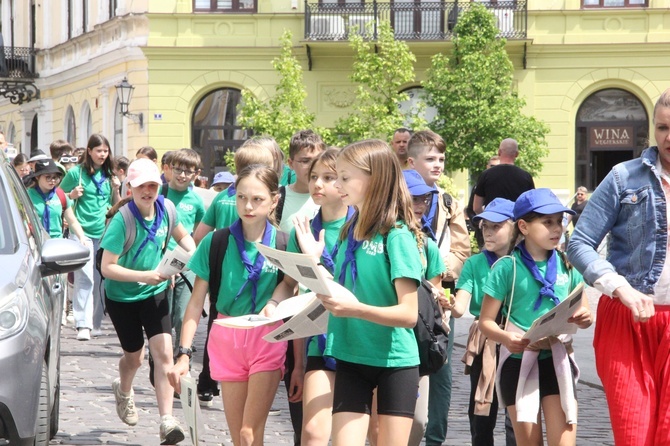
(432, 336)
(131, 231)
(279, 210)
(217, 252)
(447, 200)
(63, 200)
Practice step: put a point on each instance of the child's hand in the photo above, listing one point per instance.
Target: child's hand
(153, 278)
(515, 342)
(116, 183)
(341, 302)
(179, 369)
(308, 245)
(76, 192)
(269, 309)
(582, 317)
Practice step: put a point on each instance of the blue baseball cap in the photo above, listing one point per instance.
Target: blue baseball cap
(223, 177)
(542, 201)
(496, 211)
(416, 184)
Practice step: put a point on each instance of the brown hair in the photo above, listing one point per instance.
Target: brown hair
(271, 144)
(305, 139)
(147, 151)
(185, 157)
(97, 140)
(327, 158)
(265, 175)
(422, 138)
(60, 147)
(252, 153)
(387, 198)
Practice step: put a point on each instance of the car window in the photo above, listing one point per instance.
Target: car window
(7, 235)
(30, 223)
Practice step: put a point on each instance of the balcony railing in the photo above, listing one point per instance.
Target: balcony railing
(410, 21)
(17, 63)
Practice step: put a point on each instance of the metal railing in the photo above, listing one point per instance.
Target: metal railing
(17, 63)
(410, 21)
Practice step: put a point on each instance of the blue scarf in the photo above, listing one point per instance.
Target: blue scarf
(427, 229)
(349, 255)
(46, 217)
(231, 190)
(548, 281)
(151, 230)
(491, 257)
(432, 211)
(317, 225)
(98, 184)
(254, 269)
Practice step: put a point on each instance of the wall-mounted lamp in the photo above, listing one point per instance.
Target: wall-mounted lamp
(125, 93)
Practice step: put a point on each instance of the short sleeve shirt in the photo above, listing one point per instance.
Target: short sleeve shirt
(55, 211)
(91, 208)
(472, 279)
(296, 204)
(190, 209)
(222, 212)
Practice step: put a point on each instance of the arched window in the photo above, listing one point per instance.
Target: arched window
(416, 106)
(10, 137)
(33, 134)
(70, 130)
(118, 129)
(86, 128)
(612, 126)
(215, 128)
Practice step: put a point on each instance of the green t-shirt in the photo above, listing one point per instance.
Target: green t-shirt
(364, 342)
(434, 263)
(296, 204)
(190, 209)
(472, 279)
(287, 176)
(90, 208)
(234, 274)
(147, 260)
(55, 211)
(222, 212)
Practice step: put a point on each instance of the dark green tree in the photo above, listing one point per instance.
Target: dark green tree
(477, 106)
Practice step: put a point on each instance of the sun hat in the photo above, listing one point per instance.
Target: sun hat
(223, 177)
(38, 155)
(541, 201)
(416, 184)
(47, 166)
(142, 171)
(496, 211)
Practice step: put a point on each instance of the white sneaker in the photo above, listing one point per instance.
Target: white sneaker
(96, 332)
(170, 431)
(83, 334)
(125, 405)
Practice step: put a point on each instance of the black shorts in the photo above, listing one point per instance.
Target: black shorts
(509, 379)
(129, 318)
(397, 389)
(316, 363)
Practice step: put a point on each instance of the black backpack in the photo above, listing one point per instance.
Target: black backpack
(217, 252)
(432, 337)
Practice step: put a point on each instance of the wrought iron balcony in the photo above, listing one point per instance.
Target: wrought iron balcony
(17, 74)
(411, 21)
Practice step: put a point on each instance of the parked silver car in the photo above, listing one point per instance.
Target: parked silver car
(31, 304)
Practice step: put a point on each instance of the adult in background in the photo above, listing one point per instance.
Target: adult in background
(470, 212)
(632, 335)
(504, 180)
(399, 145)
(578, 205)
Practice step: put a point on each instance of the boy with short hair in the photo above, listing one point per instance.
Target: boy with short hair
(305, 145)
(446, 221)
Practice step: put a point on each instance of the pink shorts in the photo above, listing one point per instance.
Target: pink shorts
(235, 354)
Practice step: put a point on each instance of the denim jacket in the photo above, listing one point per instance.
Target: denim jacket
(630, 204)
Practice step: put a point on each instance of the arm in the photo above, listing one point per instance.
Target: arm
(285, 289)
(344, 304)
(188, 328)
(460, 303)
(201, 231)
(490, 329)
(183, 238)
(478, 204)
(295, 387)
(75, 226)
(582, 316)
(112, 270)
(116, 189)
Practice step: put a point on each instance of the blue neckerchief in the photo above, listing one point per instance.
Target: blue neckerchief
(432, 211)
(151, 231)
(254, 269)
(46, 220)
(317, 224)
(98, 184)
(426, 228)
(349, 255)
(231, 190)
(329, 361)
(548, 281)
(491, 257)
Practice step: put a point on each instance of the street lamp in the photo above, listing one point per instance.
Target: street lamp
(125, 93)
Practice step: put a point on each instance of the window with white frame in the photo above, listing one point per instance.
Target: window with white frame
(86, 127)
(70, 130)
(118, 129)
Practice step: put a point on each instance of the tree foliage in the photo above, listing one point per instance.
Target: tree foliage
(285, 112)
(475, 99)
(380, 70)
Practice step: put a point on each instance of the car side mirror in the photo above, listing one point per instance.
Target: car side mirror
(62, 256)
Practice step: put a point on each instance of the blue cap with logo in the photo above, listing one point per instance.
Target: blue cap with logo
(416, 184)
(496, 211)
(223, 177)
(541, 201)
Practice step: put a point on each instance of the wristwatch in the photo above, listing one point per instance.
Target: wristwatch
(184, 351)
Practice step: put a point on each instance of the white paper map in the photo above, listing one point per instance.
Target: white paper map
(555, 322)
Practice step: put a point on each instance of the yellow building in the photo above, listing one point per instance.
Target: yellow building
(591, 69)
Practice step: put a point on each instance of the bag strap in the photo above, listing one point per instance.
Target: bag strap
(447, 200)
(164, 189)
(281, 240)
(131, 229)
(511, 300)
(279, 210)
(61, 197)
(217, 252)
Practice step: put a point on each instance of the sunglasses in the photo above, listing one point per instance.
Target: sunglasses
(68, 159)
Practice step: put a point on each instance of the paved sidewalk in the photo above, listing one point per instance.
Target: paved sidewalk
(88, 416)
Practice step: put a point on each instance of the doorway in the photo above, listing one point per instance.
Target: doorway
(602, 162)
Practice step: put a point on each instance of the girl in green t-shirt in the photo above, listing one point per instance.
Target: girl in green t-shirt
(248, 367)
(530, 283)
(374, 309)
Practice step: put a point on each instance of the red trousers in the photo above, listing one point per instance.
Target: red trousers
(633, 363)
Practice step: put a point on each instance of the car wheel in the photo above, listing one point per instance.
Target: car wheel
(42, 422)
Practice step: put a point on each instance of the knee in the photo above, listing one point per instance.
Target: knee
(133, 360)
(247, 435)
(313, 432)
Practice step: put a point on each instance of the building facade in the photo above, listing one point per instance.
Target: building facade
(590, 69)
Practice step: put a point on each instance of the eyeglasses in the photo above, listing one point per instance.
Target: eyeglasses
(179, 171)
(68, 159)
(422, 199)
(52, 178)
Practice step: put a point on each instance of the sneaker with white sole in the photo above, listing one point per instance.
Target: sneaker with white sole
(170, 431)
(83, 334)
(96, 332)
(125, 405)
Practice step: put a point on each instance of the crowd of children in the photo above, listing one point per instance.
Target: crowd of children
(377, 229)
